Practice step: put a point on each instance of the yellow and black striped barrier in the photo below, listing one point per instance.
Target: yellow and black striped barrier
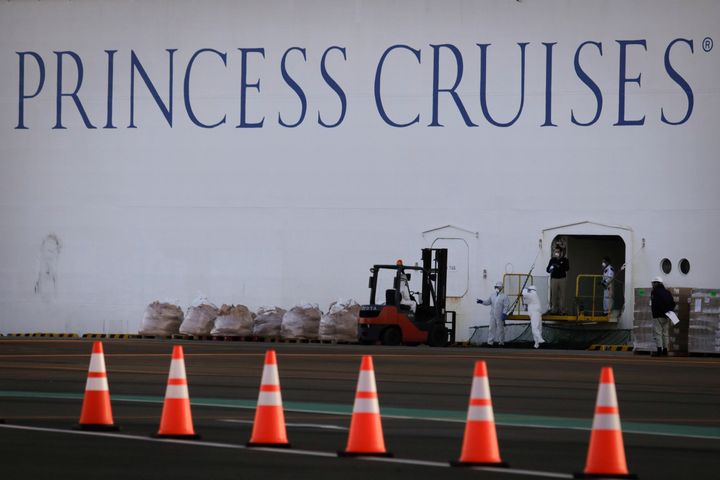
(123, 336)
(611, 348)
(44, 335)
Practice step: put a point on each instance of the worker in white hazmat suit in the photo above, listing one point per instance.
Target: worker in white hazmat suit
(608, 276)
(531, 299)
(405, 294)
(499, 306)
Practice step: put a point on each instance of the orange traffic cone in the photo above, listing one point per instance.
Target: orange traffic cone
(176, 420)
(606, 454)
(96, 412)
(480, 444)
(269, 425)
(366, 435)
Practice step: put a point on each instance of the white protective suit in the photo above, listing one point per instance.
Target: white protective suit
(499, 306)
(534, 310)
(405, 292)
(607, 281)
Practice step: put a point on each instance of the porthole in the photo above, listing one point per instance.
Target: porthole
(684, 266)
(666, 266)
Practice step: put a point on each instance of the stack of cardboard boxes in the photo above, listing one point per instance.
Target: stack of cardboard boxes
(642, 331)
(704, 331)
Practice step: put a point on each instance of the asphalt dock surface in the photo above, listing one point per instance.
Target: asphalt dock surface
(543, 403)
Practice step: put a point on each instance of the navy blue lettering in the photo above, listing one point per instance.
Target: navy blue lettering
(622, 121)
(186, 88)
(378, 97)
(73, 94)
(680, 81)
(590, 83)
(244, 85)
(166, 109)
(483, 84)
(295, 87)
(548, 85)
(436, 85)
(21, 88)
(334, 85)
(111, 62)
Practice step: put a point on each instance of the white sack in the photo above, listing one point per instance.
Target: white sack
(268, 321)
(301, 321)
(340, 323)
(161, 319)
(233, 320)
(199, 320)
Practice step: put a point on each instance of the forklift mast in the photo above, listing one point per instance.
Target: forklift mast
(435, 269)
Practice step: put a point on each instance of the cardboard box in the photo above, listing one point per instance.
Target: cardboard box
(704, 327)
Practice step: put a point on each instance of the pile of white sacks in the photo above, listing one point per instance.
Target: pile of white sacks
(305, 321)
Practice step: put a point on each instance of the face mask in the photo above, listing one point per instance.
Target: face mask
(557, 254)
(604, 264)
(497, 290)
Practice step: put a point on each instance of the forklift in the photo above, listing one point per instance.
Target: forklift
(396, 322)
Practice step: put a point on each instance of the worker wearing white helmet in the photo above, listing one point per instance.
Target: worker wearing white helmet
(499, 306)
(531, 299)
(661, 302)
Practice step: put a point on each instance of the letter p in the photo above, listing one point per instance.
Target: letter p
(21, 91)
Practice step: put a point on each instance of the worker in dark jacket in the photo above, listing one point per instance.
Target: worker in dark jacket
(557, 268)
(661, 302)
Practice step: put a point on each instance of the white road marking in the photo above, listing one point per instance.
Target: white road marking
(299, 425)
(200, 443)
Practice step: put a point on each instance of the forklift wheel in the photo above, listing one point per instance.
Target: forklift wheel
(438, 336)
(391, 336)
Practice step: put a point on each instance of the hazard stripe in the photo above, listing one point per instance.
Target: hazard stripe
(97, 363)
(97, 384)
(177, 381)
(269, 388)
(606, 395)
(366, 381)
(177, 368)
(606, 422)
(270, 398)
(366, 395)
(270, 375)
(480, 401)
(610, 410)
(177, 391)
(484, 413)
(480, 388)
(366, 405)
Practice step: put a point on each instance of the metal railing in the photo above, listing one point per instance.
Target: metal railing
(589, 296)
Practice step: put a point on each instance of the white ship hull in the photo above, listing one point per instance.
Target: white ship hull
(112, 195)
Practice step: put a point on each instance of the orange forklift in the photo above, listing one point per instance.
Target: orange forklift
(402, 319)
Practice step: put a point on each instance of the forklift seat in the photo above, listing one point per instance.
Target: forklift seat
(390, 297)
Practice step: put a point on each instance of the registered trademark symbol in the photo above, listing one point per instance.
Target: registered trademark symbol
(707, 44)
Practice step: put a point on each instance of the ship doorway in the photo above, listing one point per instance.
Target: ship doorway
(584, 291)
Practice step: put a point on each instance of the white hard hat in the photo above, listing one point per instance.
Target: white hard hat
(499, 284)
(657, 280)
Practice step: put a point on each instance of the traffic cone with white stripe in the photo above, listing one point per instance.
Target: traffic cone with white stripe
(96, 411)
(480, 444)
(366, 435)
(176, 420)
(269, 425)
(606, 454)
